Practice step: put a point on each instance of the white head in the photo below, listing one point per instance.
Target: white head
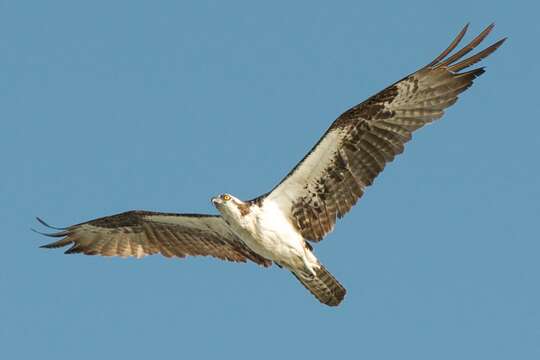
(230, 206)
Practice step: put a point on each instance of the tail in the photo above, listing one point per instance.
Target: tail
(323, 286)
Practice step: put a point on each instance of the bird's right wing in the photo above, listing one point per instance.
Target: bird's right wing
(140, 233)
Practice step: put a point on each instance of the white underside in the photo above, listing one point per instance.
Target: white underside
(268, 232)
(302, 181)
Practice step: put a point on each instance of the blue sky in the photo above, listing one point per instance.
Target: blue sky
(112, 106)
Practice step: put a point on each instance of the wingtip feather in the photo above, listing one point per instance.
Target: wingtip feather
(450, 47)
(57, 244)
(42, 222)
(466, 49)
(477, 57)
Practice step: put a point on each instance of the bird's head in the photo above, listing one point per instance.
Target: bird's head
(229, 205)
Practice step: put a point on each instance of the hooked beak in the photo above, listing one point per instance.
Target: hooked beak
(216, 201)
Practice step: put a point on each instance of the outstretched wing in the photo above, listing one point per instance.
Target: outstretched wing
(140, 233)
(358, 145)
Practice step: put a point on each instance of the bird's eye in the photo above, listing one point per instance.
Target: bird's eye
(226, 197)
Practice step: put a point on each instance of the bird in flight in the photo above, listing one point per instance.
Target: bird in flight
(277, 227)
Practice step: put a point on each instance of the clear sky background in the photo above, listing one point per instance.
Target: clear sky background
(108, 106)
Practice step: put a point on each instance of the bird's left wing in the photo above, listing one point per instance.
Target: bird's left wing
(140, 233)
(358, 145)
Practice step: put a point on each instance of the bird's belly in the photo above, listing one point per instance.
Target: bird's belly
(274, 247)
(277, 243)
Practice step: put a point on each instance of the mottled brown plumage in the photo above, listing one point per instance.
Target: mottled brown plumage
(140, 233)
(332, 177)
(323, 286)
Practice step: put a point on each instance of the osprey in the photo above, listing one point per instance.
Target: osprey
(276, 227)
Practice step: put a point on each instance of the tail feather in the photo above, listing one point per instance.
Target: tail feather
(323, 286)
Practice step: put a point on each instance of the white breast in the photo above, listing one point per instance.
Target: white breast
(268, 232)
